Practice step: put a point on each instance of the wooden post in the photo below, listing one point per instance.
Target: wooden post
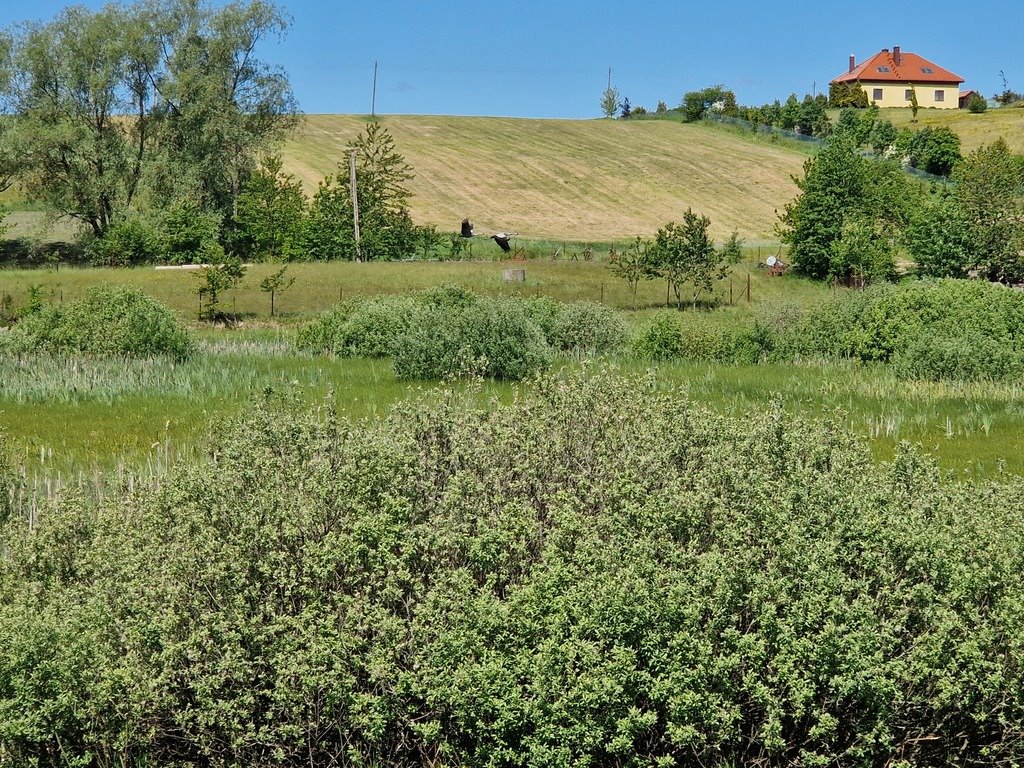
(730, 291)
(353, 193)
(748, 288)
(602, 293)
(668, 285)
(341, 293)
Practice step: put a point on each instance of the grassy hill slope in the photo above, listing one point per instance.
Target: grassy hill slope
(573, 179)
(974, 130)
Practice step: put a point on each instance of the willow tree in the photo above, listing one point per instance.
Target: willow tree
(167, 100)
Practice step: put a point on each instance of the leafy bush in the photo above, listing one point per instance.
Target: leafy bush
(490, 337)
(661, 339)
(926, 325)
(583, 328)
(359, 328)
(599, 574)
(131, 241)
(108, 321)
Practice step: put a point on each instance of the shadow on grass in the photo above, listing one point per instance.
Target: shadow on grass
(23, 254)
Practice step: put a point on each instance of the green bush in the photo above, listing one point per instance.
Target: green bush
(668, 337)
(599, 574)
(661, 339)
(583, 328)
(132, 241)
(492, 338)
(921, 323)
(107, 321)
(359, 328)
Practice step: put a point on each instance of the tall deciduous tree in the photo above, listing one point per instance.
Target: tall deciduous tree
(271, 214)
(167, 99)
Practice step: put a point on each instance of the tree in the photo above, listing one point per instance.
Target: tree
(222, 273)
(695, 104)
(939, 238)
(914, 104)
(847, 95)
(387, 230)
(976, 104)
(271, 214)
(883, 137)
(632, 265)
(153, 101)
(989, 186)
(838, 183)
(627, 110)
(935, 150)
(789, 114)
(609, 101)
(687, 254)
(275, 284)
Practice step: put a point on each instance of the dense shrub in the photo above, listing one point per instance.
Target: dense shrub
(360, 328)
(598, 575)
(131, 241)
(492, 338)
(110, 321)
(668, 337)
(928, 325)
(583, 328)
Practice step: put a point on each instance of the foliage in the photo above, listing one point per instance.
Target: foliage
(863, 250)
(660, 339)
(190, 234)
(686, 254)
(106, 321)
(839, 184)
(976, 104)
(939, 238)
(609, 101)
(935, 150)
(626, 110)
(491, 338)
(386, 229)
(276, 284)
(842, 95)
(584, 329)
(695, 104)
(362, 327)
(270, 218)
(136, 104)
(597, 574)
(133, 240)
(632, 265)
(914, 103)
(883, 137)
(923, 326)
(989, 185)
(221, 273)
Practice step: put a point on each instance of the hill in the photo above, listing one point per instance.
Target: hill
(973, 130)
(575, 179)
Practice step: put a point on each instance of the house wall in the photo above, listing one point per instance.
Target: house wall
(894, 94)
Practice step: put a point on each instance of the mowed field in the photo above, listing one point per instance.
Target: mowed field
(584, 180)
(973, 130)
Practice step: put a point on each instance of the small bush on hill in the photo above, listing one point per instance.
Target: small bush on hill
(107, 321)
(492, 338)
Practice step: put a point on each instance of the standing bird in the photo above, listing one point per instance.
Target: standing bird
(467, 228)
(502, 238)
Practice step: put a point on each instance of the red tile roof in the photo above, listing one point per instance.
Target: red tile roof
(883, 68)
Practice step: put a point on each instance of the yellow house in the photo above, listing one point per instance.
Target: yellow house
(890, 78)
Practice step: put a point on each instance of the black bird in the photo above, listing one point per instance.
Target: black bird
(502, 238)
(467, 228)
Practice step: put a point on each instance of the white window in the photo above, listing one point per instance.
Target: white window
(940, 95)
(876, 95)
(908, 95)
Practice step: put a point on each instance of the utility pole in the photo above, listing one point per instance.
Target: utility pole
(355, 200)
(373, 98)
(609, 78)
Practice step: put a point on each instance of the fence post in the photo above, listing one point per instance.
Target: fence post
(602, 293)
(748, 288)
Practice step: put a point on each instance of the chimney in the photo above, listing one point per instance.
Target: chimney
(896, 55)
(853, 62)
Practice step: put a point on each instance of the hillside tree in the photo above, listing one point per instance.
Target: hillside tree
(609, 101)
(685, 253)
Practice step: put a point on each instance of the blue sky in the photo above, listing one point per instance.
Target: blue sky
(551, 59)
